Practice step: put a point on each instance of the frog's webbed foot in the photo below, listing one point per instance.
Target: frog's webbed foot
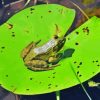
(39, 68)
(54, 65)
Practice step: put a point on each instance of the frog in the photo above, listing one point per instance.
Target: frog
(43, 57)
(39, 58)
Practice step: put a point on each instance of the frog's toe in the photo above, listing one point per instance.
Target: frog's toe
(55, 65)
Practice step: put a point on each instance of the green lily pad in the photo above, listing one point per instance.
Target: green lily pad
(85, 41)
(32, 24)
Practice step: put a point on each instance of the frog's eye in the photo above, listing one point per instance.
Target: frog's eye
(56, 37)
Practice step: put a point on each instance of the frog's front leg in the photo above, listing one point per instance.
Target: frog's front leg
(38, 65)
(27, 49)
(54, 58)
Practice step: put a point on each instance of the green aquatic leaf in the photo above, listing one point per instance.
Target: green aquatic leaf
(85, 41)
(32, 24)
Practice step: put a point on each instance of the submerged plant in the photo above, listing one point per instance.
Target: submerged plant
(38, 22)
(93, 84)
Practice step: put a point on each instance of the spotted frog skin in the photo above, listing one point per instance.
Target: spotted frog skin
(39, 58)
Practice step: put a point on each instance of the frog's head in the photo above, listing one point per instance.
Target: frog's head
(60, 41)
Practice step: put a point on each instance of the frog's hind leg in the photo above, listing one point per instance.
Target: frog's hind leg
(43, 69)
(37, 65)
(53, 66)
(33, 68)
(26, 50)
